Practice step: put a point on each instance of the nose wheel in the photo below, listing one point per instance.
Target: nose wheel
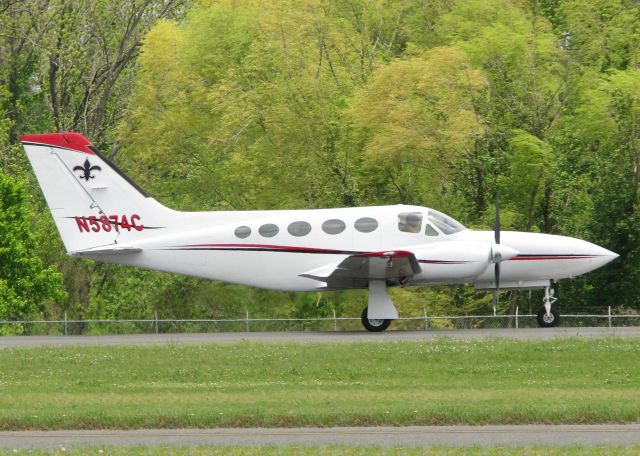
(548, 315)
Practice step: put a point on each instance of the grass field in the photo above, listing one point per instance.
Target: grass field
(337, 451)
(250, 384)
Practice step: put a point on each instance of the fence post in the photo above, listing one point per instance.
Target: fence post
(155, 314)
(516, 317)
(609, 317)
(426, 319)
(335, 322)
(247, 320)
(66, 329)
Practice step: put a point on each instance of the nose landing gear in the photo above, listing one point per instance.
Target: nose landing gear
(548, 315)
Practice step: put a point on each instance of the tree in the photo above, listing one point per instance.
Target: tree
(606, 126)
(25, 284)
(417, 117)
(268, 95)
(522, 189)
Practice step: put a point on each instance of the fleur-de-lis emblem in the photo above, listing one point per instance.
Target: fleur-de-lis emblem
(86, 170)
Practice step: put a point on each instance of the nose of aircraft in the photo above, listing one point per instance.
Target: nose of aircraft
(600, 255)
(569, 257)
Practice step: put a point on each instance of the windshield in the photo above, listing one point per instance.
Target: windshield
(446, 224)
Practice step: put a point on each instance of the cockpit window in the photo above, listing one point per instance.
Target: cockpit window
(410, 222)
(446, 224)
(430, 231)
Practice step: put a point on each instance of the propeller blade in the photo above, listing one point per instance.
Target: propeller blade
(496, 232)
(496, 221)
(496, 291)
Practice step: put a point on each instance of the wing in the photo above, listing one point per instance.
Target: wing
(355, 271)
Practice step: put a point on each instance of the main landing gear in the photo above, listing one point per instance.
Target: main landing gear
(380, 312)
(374, 324)
(548, 315)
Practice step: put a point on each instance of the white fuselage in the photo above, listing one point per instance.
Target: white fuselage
(208, 247)
(103, 215)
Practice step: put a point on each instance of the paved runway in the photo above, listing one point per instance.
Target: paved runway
(617, 435)
(319, 337)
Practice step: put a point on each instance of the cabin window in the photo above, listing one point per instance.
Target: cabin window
(430, 231)
(299, 229)
(242, 232)
(366, 224)
(410, 222)
(268, 230)
(333, 226)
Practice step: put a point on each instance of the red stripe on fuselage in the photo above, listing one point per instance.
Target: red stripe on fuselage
(559, 257)
(263, 246)
(294, 249)
(442, 262)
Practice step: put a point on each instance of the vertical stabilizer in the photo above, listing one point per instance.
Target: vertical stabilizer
(92, 202)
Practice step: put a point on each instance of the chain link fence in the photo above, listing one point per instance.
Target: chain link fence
(424, 322)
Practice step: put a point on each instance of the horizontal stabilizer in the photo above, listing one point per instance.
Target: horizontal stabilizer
(106, 250)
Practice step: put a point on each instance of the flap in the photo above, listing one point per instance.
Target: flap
(356, 270)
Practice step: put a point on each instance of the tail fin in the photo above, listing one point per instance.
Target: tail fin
(93, 204)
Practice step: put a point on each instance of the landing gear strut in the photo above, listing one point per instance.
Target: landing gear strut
(380, 311)
(548, 315)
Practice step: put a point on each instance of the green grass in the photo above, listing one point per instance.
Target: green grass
(250, 384)
(336, 451)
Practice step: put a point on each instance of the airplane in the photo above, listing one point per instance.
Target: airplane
(103, 215)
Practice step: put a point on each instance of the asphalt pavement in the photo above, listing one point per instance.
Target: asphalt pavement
(411, 436)
(319, 337)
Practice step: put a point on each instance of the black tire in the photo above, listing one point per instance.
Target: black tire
(548, 321)
(374, 325)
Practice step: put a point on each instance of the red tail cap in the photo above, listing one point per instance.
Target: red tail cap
(73, 141)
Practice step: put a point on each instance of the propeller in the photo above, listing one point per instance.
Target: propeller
(496, 255)
(499, 253)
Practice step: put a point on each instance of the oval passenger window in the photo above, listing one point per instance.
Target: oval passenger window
(366, 224)
(333, 226)
(242, 232)
(299, 229)
(268, 230)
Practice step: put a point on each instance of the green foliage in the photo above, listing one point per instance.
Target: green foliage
(606, 33)
(290, 104)
(529, 167)
(25, 284)
(604, 143)
(418, 119)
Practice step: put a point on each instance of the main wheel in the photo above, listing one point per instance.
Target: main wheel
(548, 321)
(374, 325)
